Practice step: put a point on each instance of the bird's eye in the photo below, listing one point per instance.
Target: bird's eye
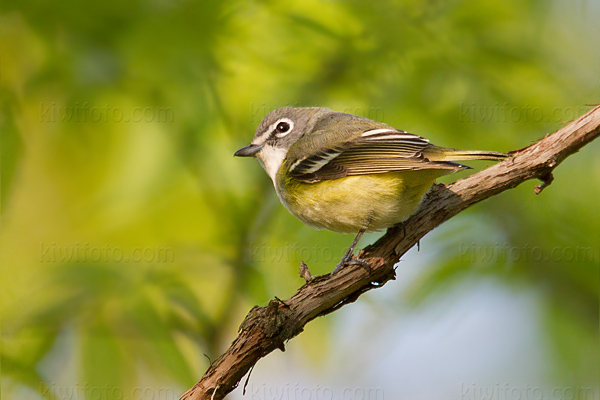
(282, 127)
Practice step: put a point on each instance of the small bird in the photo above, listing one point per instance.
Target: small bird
(347, 173)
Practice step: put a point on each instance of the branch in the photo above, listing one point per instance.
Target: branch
(268, 328)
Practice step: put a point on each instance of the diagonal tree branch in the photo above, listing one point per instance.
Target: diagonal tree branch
(268, 328)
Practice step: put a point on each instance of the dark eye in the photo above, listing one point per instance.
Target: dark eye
(282, 127)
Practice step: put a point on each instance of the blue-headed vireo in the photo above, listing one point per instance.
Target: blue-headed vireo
(347, 173)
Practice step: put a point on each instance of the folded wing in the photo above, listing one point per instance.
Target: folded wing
(375, 151)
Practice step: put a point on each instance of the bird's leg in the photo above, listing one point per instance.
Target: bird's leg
(348, 256)
(350, 250)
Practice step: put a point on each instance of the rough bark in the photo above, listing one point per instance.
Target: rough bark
(268, 328)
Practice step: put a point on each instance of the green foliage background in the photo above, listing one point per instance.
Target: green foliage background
(119, 121)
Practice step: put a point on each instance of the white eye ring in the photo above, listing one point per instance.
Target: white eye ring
(282, 127)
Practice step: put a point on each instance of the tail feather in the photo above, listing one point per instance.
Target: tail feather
(446, 154)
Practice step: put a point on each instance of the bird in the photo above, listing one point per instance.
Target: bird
(347, 173)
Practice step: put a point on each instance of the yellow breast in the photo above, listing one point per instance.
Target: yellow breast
(349, 204)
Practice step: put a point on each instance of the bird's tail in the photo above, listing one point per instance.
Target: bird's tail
(435, 153)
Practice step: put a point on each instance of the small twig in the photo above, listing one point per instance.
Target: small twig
(214, 392)
(208, 358)
(546, 181)
(305, 272)
(247, 380)
(283, 303)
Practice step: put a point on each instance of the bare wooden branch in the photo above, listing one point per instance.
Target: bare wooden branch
(268, 328)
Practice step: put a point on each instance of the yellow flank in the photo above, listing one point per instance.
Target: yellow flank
(349, 204)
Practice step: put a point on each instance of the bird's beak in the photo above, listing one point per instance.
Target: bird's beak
(248, 151)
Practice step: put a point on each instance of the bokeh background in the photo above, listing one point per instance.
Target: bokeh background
(133, 243)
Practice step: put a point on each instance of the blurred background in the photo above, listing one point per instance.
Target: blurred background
(133, 243)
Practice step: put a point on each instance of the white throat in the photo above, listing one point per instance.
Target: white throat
(271, 159)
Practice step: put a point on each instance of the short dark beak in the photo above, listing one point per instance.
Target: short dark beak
(249, 150)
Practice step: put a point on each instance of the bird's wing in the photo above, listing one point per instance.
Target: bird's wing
(365, 149)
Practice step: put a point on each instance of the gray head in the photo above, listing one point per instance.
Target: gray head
(277, 132)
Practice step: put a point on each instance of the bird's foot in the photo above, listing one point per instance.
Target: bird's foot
(348, 257)
(351, 261)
